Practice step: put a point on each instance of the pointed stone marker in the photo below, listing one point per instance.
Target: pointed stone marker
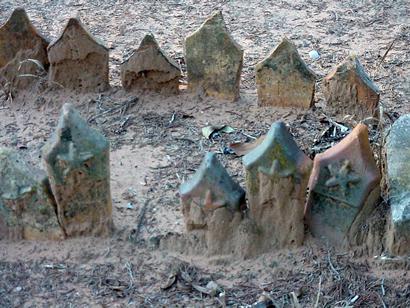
(27, 210)
(283, 79)
(20, 47)
(209, 189)
(149, 68)
(349, 90)
(77, 161)
(398, 173)
(78, 60)
(277, 174)
(343, 189)
(214, 60)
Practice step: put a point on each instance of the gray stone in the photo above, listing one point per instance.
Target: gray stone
(398, 172)
(283, 79)
(78, 61)
(277, 174)
(149, 68)
(77, 161)
(27, 209)
(214, 60)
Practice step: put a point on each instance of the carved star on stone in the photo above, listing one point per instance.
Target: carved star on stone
(210, 203)
(275, 169)
(342, 177)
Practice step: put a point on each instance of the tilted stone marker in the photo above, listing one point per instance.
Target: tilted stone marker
(214, 60)
(78, 60)
(344, 189)
(212, 203)
(77, 161)
(22, 50)
(283, 79)
(349, 90)
(398, 173)
(149, 68)
(277, 175)
(27, 209)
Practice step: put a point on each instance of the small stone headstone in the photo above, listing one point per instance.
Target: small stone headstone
(349, 90)
(283, 79)
(214, 60)
(77, 161)
(77, 60)
(27, 209)
(398, 173)
(344, 189)
(277, 175)
(23, 51)
(149, 68)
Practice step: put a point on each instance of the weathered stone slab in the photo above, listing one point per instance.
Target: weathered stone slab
(23, 51)
(149, 68)
(349, 90)
(212, 203)
(78, 60)
(214, 60)
(277, 174)
(344, 189)
(27, 210)
(77, 161)
(283, 79)
(398, 173)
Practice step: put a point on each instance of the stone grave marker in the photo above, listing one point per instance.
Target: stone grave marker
(344, 189)
(214, 60)
(277, 174)
(149, 68)
(283, 79)
(78, 166)
(78, 61)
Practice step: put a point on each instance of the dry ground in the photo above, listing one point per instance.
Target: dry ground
(157, 143)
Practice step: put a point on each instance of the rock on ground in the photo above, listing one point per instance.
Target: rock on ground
(149, 68)
(78, 61)
(398, 176)
(77, 161)
(27, 209)
(283, 79)
(214, 60)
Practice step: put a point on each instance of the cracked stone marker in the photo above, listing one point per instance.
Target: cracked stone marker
(77, 161)
(283, 79)
(27, 209)
(277, 175)
(214, 60)
(344, 189)
(398, 173)
(78, 61)
(349, 90)
(149, 68)
(23, 51)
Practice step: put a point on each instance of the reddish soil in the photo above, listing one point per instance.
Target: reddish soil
(157, 143)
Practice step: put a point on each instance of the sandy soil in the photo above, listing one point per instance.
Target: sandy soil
(157, 144)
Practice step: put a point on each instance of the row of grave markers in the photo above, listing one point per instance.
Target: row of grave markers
(343, 185)
(76, 60)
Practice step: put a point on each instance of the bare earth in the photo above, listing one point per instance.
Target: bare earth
(157, 143)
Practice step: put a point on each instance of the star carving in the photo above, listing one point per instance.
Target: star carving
(275, 169)
(342, 176)
(211, 204)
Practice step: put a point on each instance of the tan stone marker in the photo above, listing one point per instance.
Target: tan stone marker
(23, 51)
(27, 209)
(349, 90)
(283, 79)
(78, 166)
(149, 68)
(277, 174)
(214, 60)
(212, 203)
(344, 189)
(78, 61)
